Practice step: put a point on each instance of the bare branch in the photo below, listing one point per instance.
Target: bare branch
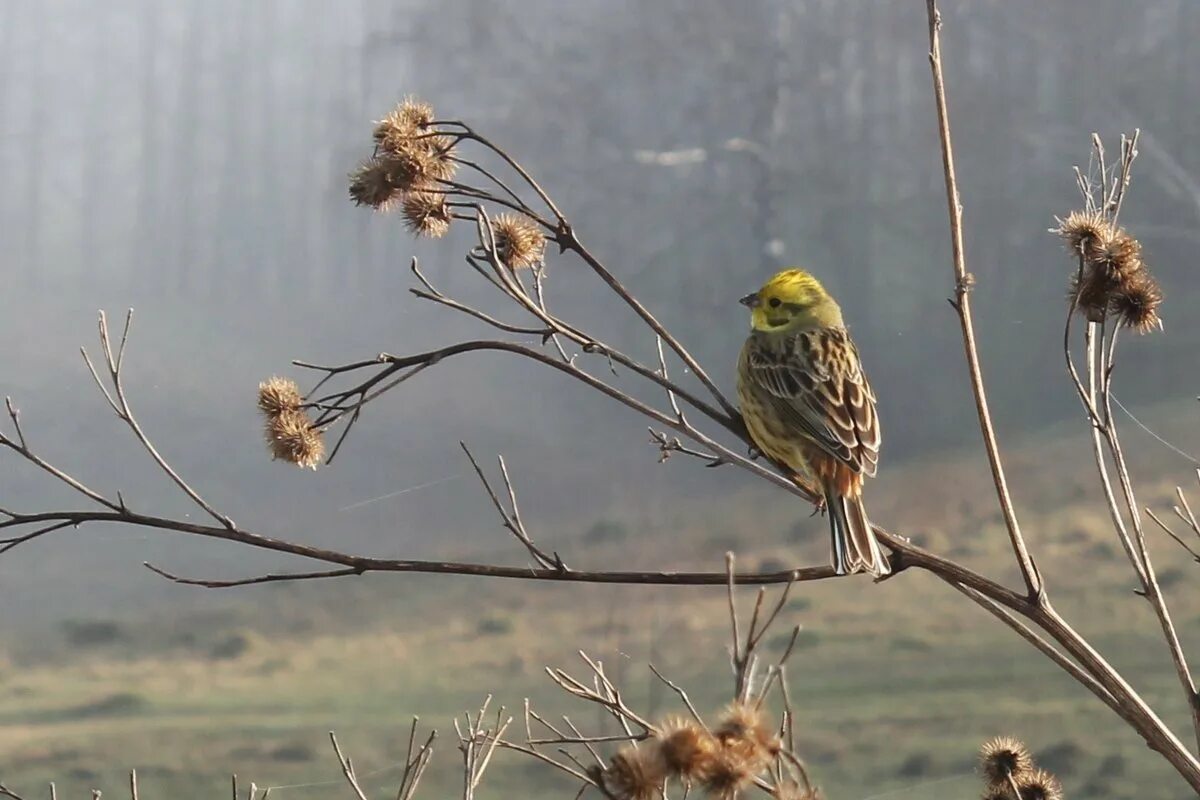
(683, 695)
(963, 282)
(9, 793)
(512, 520)
(1195, 556)
(347, 769)
(272, 578)
(121, 405)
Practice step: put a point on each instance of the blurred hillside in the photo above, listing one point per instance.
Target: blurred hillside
(895, 683)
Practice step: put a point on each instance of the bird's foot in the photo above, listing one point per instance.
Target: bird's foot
(818, 507)
(814, 490)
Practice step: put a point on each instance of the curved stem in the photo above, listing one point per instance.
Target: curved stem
(570, 241)
(962, 304)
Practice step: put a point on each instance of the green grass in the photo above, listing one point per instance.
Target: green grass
(895, 684)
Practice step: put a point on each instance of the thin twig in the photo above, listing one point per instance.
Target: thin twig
(511, 519)
(347, 768)
(1195, 556)
(683, 695)
(962, 304)
(127, 416)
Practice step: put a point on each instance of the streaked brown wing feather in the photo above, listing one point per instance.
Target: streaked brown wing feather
(816, 384)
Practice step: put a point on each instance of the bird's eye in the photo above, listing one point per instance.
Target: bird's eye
(775, 302)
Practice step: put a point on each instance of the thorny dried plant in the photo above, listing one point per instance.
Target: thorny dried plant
(416, 158)
(290, 434)
(1002, 758)
(1010, 773)
(1112, 283)
(744, 747)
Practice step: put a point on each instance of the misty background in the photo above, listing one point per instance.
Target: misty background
(188, 159)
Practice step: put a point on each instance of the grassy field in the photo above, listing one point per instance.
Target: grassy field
(896, 684)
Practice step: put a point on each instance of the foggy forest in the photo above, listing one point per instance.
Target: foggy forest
(191, 160)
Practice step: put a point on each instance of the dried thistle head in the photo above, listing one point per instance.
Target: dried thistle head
(426, 213)
(408, 171)
(440, 150)
(410, 117)
(1092, 290)
(635, 774)
(686, 747)
(1004, 756)
(407, 130)
(1120, 254)
(277, 395)
(291, 437)
(1038, 785)
(1085, 231)
(739, 721)
(371, 184)
(743, 729)
(1111, 273)
(1135, 302)
(727, 773)
(519, 242)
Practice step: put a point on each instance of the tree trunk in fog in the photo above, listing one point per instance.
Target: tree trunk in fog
(34, 149)
(184, 127)
(231, 265)
(149, 193)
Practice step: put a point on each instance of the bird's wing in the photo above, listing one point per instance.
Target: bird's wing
(816, 384)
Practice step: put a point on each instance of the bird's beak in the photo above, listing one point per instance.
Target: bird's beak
(750, 300)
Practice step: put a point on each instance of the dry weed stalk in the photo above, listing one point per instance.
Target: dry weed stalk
(742, 749)
(1113, 289)
(418, 158)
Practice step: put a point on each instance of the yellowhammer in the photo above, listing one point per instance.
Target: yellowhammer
(807, 405)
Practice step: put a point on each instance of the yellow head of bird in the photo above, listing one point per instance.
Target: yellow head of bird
(792, 300)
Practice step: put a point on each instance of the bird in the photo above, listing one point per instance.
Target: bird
(808, 406)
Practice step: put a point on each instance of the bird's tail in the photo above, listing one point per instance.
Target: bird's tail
(854, 546)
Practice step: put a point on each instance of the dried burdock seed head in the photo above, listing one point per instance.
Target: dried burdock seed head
(440, 151)
(371, 184)
(1001, 757)
(519, 242)
(1092, 291)
(435, 154)
(412, 117)
(1038, 785)
(635, 774)
(1114, 278)
(1135, 302)
(408, 171)
(1120, 254)
(727, 773)
(1086, 231)
(426, 214)
(277, 395)
(686, 747)
(743, 729)
(291, 437)
(407, 131)
(739, 721)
